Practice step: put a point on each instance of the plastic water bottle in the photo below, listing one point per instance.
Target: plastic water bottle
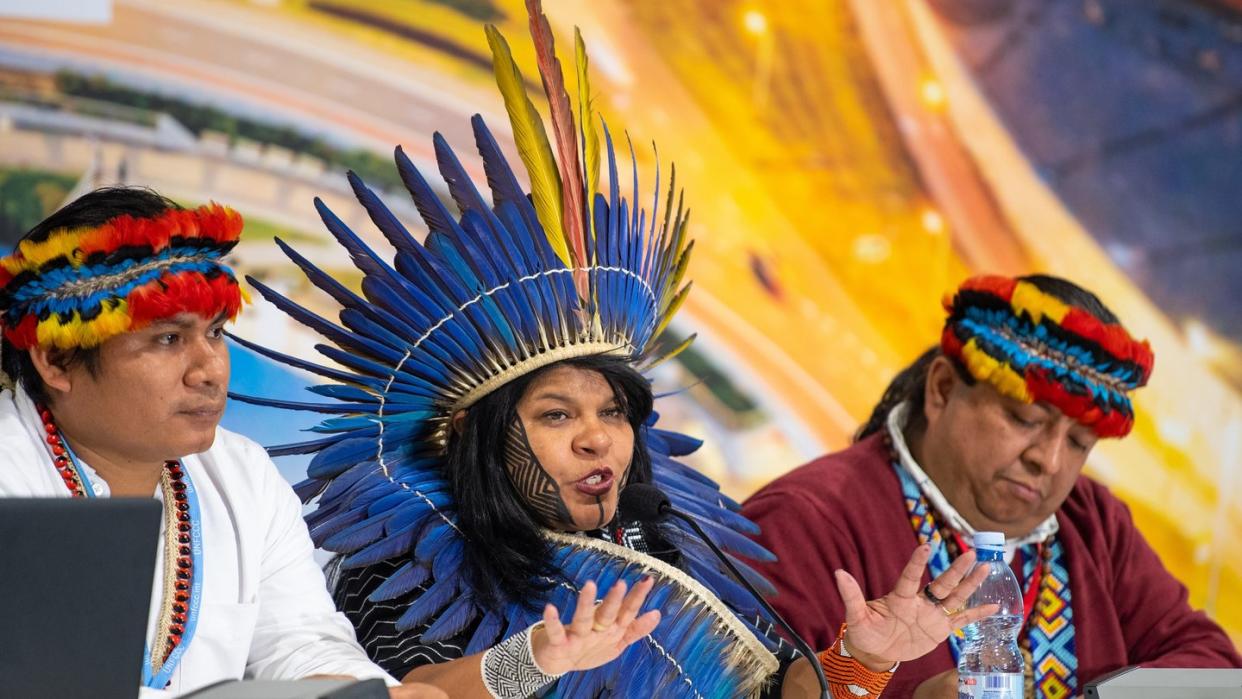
(991, 666)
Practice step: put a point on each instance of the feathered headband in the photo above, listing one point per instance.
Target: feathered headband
(504, 288)
(78, 287)
(1034, 347)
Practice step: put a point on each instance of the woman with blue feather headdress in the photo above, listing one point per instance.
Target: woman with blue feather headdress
(489, 406)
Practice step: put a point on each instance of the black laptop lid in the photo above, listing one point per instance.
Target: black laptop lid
(75, 592)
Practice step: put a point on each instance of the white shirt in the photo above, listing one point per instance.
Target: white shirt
(266, 612)
(896, 422)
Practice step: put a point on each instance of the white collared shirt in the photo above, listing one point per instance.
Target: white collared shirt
(896, 422)
(266, 611)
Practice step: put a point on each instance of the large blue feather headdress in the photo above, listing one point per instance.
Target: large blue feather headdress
(500, 290)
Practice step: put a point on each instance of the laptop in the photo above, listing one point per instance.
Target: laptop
(1166, 683)
(75, 592)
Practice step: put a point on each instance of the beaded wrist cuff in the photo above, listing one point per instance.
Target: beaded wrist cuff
(849, 678)
(510, 670)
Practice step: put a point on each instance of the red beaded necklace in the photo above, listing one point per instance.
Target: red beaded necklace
(178, 536)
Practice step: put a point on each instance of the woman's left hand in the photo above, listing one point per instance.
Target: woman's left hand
(905, 624)
(598, 633)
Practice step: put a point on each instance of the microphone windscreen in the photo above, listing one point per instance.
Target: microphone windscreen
(643, 502)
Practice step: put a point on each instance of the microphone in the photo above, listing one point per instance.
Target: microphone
(647, 503)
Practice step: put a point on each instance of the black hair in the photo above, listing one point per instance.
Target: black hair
(91, 209)
(910, 383)
(506, 558)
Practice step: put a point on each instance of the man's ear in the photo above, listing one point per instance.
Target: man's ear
(942, 379)
(52, 369)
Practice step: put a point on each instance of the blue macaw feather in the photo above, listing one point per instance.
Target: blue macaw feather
(309, 488)
(391, 545)
(361, 254)
(380, 215)
(435, 538)
(333, 461)
(331, 522)
(332, 408)
(355, 536)
(486, 635)
(433, 211)
(703, 508)
(343, 338)
(288, 360)
(500, 179)
(435, 598)
(677, 444)
(543, 301)
(303, 447)
(768, 642)
(582, 684)
(449, 560)
(481, 243)
(683, 471)
(720, 582)
(360, 324)
(693, 487)
(455, 261)
(344, 392)
(452, 621)
(732, 541)
(430, 491)
(706, 496)
(461, 187)
(398, 297)
(406, 376)
(322, 280)
(353, 475)
(409, 576)
(434, 296)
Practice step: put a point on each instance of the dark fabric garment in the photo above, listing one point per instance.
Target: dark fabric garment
(400, 653)
(845, 510)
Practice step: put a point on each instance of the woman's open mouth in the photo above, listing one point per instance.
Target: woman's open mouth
(596, 482)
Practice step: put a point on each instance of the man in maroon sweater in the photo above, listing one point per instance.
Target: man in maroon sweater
(990, 431)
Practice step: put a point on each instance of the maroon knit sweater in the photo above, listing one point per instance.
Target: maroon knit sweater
(845, 510)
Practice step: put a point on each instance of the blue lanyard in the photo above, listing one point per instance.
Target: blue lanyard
(160, 679)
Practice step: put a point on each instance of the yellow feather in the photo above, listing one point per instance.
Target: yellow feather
(532, 144)
(590, 136)
(1027, 297)
(679, 270)
(62, 243)
(656, 361)
(672, 308)
(1003, 378)
(112, 321)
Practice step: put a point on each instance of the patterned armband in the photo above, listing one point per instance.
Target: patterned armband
(849, 678)
(510, 670)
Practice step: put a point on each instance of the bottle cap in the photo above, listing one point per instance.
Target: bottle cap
(990, 540)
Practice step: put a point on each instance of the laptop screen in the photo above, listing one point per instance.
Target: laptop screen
(75, 591)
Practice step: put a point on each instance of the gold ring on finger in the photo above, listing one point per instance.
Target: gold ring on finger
(597, 627)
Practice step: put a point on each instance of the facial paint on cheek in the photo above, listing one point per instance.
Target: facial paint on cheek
(536, 486)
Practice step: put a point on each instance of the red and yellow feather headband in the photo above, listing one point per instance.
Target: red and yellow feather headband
(78, 287)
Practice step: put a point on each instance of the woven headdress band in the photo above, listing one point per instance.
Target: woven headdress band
(78, 287)
(1034, 347)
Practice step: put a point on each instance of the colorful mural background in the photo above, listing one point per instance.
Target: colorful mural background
(847, 162)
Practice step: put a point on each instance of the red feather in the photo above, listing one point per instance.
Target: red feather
(572, 186)
(25, 334)
(184, 292)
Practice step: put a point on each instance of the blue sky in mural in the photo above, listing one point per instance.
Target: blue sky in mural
(257, 376)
